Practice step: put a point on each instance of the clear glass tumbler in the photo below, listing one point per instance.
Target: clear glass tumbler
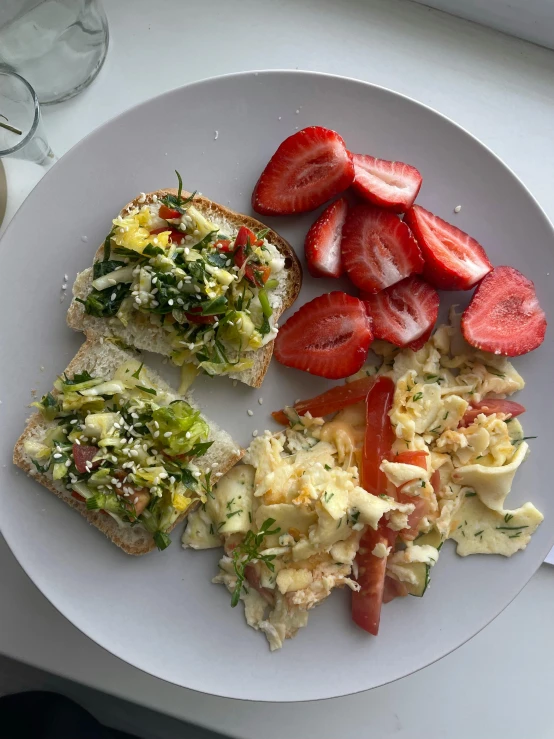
(21, 129)
(58, 45)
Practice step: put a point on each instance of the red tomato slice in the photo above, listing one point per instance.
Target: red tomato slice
(175, 237)
(379, 435)
(366, 603)
(78, 497)
(421, 509)
(436, 481)
(257, 274)
(223, 245)
(194, 316)
(418, 458)
(83, 454)
(488, 406)
(331, 401)
(393, 589)
(166, 212)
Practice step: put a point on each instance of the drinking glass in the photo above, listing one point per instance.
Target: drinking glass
(21, 129)
(58, 45)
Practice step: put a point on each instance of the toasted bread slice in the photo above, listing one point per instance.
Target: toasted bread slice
(102, 358)
(143, 335)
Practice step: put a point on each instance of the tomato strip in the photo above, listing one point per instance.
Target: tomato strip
(331, 401)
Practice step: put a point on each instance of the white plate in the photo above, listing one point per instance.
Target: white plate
(160, 612)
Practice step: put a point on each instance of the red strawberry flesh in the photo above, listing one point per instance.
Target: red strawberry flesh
(405, 313)
(504, 316)
(322, 244)
(391, 185)
(453, 259)
(308, 168)
(329, 336)
(378, 249)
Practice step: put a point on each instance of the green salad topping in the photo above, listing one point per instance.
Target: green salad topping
(212, 292)
(124, 448)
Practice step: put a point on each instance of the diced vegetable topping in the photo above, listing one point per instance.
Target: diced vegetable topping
(200, 285)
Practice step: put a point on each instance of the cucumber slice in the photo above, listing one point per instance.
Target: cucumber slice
(433, 538)
(421, 571)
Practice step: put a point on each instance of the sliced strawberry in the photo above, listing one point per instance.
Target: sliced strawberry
(308, 168)
(453, 260)
(404, 313)
(322, 245)
(329, 337)
(504, 316)
(378, 250)
(392, 185)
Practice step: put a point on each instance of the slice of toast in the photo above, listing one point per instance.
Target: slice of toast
(102, 358)
(142, 335)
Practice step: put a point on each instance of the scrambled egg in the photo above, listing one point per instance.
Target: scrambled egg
(302, 486)
(307, 487)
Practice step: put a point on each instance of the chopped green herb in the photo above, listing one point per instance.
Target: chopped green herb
(445, 416)
(478, 533)
(508, 517)
(149, 390)
(327, 497)
(515, 536)
(417, 396)
(327, 467)
(234, 513)
(470, 495)
(250, 550)
(511, 528)
(137, 373)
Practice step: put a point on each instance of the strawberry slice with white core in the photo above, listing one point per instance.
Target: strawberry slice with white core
(329, 337)
(391, 185)
(378, 249)
(308, 168)
(504, 316)
(453, 260)
(322, 245)
(403, 313)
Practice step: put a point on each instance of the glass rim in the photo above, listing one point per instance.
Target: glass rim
(7, 72)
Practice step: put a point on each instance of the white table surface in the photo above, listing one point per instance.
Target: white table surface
(502, 90)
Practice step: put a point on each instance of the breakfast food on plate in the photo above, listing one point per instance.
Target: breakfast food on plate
(308, 168)
(188, 278)
(423, 447)
(504, 315)
(114, 441)
(453, 260)
(329, 336)
(405, 313)
(391, 185)
(322, 244)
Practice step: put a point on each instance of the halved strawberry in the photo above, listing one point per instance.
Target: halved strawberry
(378, 249)
(329, 336)
(392, 185)
(405, 313)
(322, 245)
(453, 260)
(504, 316)
(308, 168)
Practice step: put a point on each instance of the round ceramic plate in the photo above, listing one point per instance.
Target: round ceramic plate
(160, 612)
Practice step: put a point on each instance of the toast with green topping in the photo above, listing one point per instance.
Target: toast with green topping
(115, 442)
(182, 276)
